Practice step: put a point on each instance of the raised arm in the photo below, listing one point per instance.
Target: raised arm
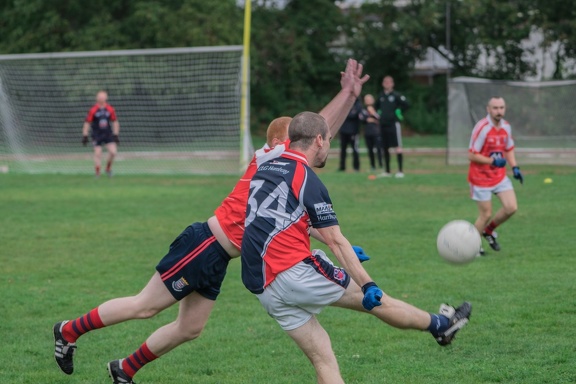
(337, 109)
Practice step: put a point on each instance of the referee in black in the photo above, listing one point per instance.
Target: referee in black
(391, 106)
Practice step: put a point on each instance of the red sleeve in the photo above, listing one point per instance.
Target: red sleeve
(112, 112)
(91, 113)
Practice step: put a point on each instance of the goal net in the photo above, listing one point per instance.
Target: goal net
(541, 115)
(178, 109)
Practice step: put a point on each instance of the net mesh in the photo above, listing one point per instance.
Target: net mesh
(539, 112)
(178, 109)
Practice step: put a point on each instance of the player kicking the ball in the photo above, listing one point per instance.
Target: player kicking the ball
(293, 283)
(491, 148)
(194, 268)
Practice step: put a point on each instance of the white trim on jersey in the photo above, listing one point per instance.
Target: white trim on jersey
(399, 134)
(296, 156)
(481, 130)
(266, 153)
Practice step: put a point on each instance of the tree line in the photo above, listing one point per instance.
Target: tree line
(299, 46)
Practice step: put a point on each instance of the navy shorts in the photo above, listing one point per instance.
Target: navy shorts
(195, 262)
(98, 140)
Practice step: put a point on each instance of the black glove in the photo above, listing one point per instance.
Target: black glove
(518, 175)
(116, 139)
(84, 140)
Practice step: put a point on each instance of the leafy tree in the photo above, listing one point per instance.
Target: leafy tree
(379, 35)
(293, 65)
(556, 20)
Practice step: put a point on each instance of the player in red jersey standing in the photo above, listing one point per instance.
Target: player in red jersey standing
(491, 148)
(102, 121)
(192, 271)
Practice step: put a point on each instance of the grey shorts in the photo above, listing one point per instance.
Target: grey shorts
(304, 290)
(485, 193)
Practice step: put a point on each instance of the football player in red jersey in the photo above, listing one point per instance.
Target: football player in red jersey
(192, 271)
(102, 121)
(491, 148)
(287, 200)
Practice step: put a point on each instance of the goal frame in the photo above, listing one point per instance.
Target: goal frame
(10, 155)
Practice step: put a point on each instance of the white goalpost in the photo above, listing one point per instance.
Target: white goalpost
(541, 115)
(178, 108)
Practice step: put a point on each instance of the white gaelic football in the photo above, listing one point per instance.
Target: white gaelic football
(458, 242)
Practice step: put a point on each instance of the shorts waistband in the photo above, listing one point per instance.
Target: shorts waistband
(221, 251)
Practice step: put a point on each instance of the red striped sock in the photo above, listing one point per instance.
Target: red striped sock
(84, 324)
(137, 360)
(97, 170)
(108, 165)
(490, 228)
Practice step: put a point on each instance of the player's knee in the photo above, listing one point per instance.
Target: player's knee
(148, 312)
(511, 209)
(143, 309)
(190, 332)
(485, 214)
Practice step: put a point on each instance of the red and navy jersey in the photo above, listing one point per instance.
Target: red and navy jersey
(232, 212)
(286, 198)
(100, 119)
(491, 142)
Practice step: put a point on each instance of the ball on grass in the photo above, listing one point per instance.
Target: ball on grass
(458, 242)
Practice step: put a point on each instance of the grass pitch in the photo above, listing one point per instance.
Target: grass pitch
(68, 243)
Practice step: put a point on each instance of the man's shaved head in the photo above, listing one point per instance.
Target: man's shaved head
(305, 127)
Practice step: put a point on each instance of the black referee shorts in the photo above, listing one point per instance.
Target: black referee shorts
(391, 135)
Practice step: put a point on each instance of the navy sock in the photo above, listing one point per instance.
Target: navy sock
(438, 324)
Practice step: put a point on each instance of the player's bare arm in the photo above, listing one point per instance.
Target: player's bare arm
(343, 251)
(316, 235)
(85, 129)
(511, 158)
(116, 127)
(480, 159)
(337, 109)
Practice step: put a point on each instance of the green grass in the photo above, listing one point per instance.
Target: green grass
(68, 243)
(412, 141)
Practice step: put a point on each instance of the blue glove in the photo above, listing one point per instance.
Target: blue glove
(372, 296)
(499, 162)
(518, 175)
(360, 253)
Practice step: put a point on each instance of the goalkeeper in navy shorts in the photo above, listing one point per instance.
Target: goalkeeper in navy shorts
(102, 121)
